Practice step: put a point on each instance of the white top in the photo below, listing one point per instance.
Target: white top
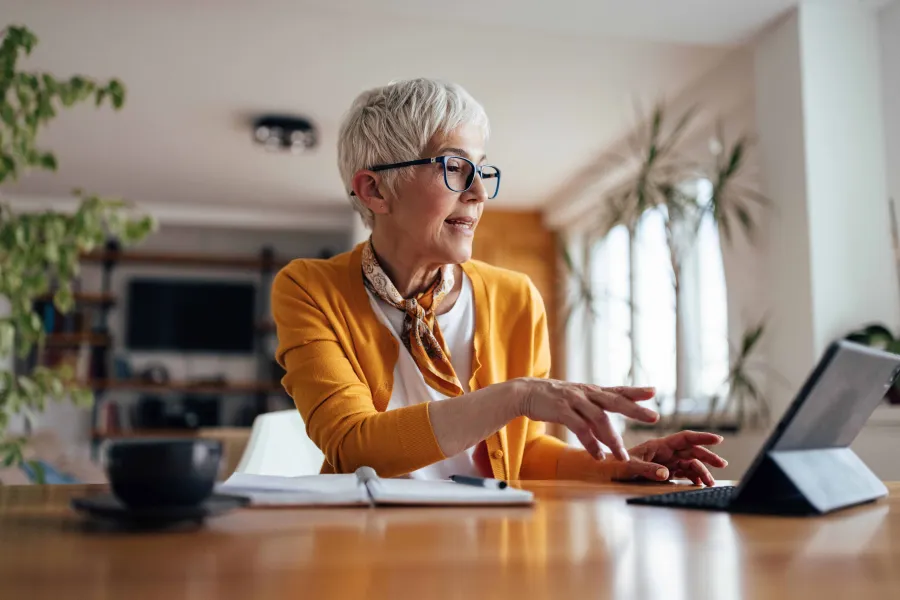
(458, 329)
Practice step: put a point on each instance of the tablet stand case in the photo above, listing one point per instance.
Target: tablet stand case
(808, 482)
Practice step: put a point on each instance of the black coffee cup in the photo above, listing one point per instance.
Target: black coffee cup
(158, 473)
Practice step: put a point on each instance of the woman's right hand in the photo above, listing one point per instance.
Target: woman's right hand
(584, 409)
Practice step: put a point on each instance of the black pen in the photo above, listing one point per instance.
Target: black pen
(492, 484)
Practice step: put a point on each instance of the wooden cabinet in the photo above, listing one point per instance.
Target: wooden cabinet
(520, 241)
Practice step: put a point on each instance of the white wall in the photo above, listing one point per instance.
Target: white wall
(780, 127)
(889, 33)
(723, 92)
(828, 266)
(821, 149)
(853, 276)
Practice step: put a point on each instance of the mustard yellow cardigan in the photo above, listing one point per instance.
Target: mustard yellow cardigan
(339, 361)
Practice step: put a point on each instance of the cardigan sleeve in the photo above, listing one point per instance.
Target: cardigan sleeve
(336, 405)
(545, 456)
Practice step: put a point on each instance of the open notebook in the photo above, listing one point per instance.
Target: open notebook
(362, 488)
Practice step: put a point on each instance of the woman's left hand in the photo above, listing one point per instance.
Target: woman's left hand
(678, 455)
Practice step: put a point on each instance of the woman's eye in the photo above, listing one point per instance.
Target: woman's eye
(453, 168)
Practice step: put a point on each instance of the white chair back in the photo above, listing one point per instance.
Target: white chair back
(279, 445)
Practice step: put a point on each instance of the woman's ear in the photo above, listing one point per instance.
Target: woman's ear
(367, 187)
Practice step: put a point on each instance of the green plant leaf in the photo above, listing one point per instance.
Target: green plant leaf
(50, 82)
(8, 163)
(117, 93)
(750, 338)
(736, 160)
(29, 386)
(858, 338)
(34, 320)
(83, 397)
(64, 299)
(37, 248)
(880, 332)
(27, 39)
(7, 114)
(40, 474)
(51, 252)
(874, 335)
(745, 219)
(48, 161)
(9, 459)
(66, 373)
(57, 389)
(567, 259)
(7, 336)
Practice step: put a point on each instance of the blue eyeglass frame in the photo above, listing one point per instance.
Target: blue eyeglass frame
(476, 169)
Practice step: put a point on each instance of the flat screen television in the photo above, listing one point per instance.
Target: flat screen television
(190, 316)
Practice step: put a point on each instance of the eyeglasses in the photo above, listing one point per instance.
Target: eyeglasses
(459, 173)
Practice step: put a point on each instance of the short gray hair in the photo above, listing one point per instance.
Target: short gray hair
(395, 122)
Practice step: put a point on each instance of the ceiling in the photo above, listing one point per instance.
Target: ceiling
(558, 80)
(679, 21)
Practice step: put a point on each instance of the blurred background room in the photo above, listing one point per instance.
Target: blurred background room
(699, 189)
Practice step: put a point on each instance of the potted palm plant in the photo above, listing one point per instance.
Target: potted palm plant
(40, 251)
(658, 171)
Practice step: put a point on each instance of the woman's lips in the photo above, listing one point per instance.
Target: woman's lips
(463, 225)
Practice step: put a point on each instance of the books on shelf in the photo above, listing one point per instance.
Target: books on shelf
(70, 339)
(109, 418)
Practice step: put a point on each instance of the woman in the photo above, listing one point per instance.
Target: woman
(407, 356)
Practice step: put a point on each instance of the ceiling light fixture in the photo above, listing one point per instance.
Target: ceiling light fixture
(279, 133)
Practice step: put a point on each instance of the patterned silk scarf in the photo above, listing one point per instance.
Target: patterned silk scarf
(421, 334)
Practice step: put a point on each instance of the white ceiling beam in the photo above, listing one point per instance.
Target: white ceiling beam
(305, 218)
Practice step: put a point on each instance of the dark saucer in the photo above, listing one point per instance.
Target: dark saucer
(109, 508)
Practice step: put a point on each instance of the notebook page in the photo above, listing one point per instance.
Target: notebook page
(311, 490)
(448, 493)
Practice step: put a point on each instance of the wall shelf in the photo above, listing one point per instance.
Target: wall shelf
(84, 298)
(97, 434)
(77, 339)
(125, 434)
(236, 387)
(260, 392)
(184, 260)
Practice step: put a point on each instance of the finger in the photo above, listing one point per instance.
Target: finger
(647, 470)
(582, 430)
(681, 474)
(706, 456)
(637, 394)
(697, 469)
(686, 439)
(620, 404)
(601, 426)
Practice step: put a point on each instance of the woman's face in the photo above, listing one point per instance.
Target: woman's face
(439, 222)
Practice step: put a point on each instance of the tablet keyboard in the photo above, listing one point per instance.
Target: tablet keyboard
(716, 498)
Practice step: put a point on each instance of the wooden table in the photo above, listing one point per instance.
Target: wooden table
(578, 541)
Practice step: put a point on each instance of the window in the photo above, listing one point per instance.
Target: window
(703, 304)
(708, 298)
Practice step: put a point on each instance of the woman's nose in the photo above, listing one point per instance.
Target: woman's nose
(476, 191)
